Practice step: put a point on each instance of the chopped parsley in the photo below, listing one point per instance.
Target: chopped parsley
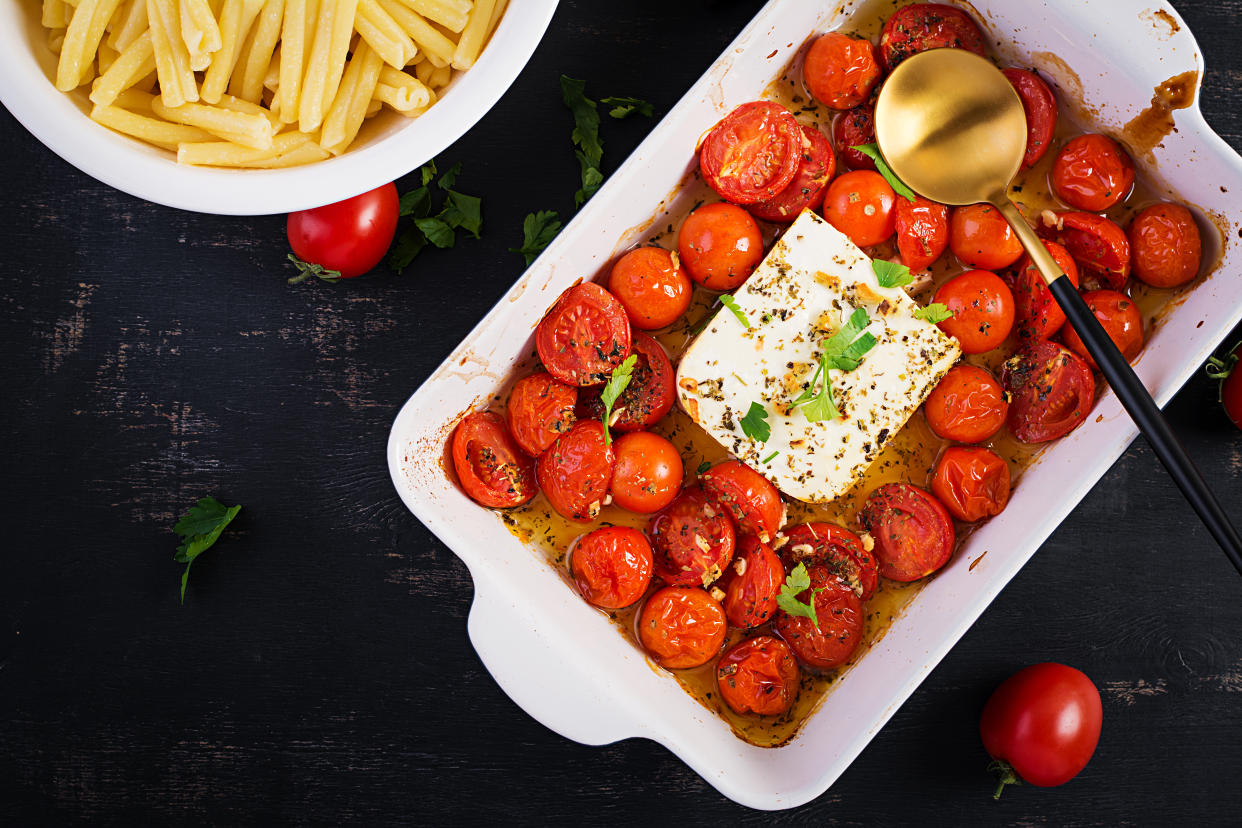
(590, 152)
(755, 423)
(797, 582)
(704, 466)
(891, 274)
(458, 212)
(538, 231)
(935, 313)
(731, 303)
(872, 151)
(623, 107)
(844, 351)
(769, 458)
(199, 529)
(621, 376)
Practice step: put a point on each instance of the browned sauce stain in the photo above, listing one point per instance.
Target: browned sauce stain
(975, 562)
(1145, 131)
(1164, 23)
(1068, 83)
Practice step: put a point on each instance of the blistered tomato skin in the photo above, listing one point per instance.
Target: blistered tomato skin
(922, 231)
(1092, 173)
(648, 397)
(1165, 247)
(851, 129)
(1040, 107)
(971, 482)
(754, 581)
(1039, 315)
(860, 205)
(923, 26)
(840, 71)
(693, 540)
(575, 472)
(647, 474)
(682, 627)
(753, 153)
(912, 530)
(611, 566)
(541, 408)
(982, 307)
(834, 547)
(980, 237)
(806, 191)
(1051, 391)
(1096, 243)
(720, 245)
(1119, 316)
(830, 643)
(967, 406)
(758, 675)
(652, 286)
(583, 336)
(491, 467)
(749, 498)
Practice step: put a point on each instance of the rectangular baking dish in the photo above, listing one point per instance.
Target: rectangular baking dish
(562, 661)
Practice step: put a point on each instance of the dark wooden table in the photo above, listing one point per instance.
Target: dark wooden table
(320, 670)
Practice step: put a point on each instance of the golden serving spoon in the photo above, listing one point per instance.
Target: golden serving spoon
(951, 126)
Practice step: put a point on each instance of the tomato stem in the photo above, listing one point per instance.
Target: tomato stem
(1005, 775)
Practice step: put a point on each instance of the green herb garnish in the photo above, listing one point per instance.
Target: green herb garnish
(704, 466)
(935, 313)
(199, 529)
(797, 582)
(585, 136)
(891, 274)
(769, 458)
(623, 107)
(620, 380)
(755, 424)
(458, 212)
(843, 350)
(872, 151)
(731, 303)
(538, 231)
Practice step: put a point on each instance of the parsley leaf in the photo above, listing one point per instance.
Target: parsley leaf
(585, 135)
(621, 376)
(199, 529)
(872, 151)
(623, 107)
(821, 406)
(449, 178)
(769, 458)
(844, 351)
(309, 269)
(704, 466)
(464, 211)
(891, 274)
(731, 303)
(755, 424)
(428, 172)
(935, 313)
(416, 202)
(436, 231)
(797, 582)
(538, 231)
(459, 211)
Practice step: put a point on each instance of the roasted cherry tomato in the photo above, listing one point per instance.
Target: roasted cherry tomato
(647, 398)
(839, 611)
(982, 307)
(1230, 375)
(854, 129)
(1120, 317)
(1051, 391)
(682, 627)
(826, 544)
(753, 503)
(350, 236)
(575, 472)
(980, 237)
(860, 205)
(1042, 725)
(541, 408)
(840, 70)
(611, 566)
(1040, 107)
(693, 540)
(922, 231)
(758, 675)
(967, 406)
(754, 581)
(647, 474)
(489, 464)
(1097, 244)
(923, 26)
(583, 336)
(1092, 173)
(912, 530)
(753, 153)
(719, 245)
(806, 191)
(1039, 315)
(652, 286)
(1165, 247)
(971, 482)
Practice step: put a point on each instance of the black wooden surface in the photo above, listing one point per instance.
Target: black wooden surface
(320, 671)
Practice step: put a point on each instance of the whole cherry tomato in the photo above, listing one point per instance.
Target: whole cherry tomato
(541, 408)
(912, 530)
(1119, 316)
(839, 611)
(583, 336)
(753, 153)
(922, 231)
(860, 205)
(854, 129)
(971, 482)
(806, 191)
(1097, 244)
(840, 71)
(754, 581)
(1040, 107)
(720, 245)
(1039, 315)
(647, 398)
(575, 472)
(682, 627)
(827, 544)
(350, 236)
(982, 307)
(980, 237)
(693, 540)
(753, 503)
(1165, 248)
(758, 675)
(489, 464)
(1092, 173)
(652, 286)
(647, 473)
(611, 566)
(923, 26)
(1230, 375)
(967, 406)
(1051, 391)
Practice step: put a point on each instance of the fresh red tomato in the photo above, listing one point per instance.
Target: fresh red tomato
(982, 307)
(912, 530)
(1165, 247)
(1040, 107)
(839, 611)
(967, 406)
(1051, 391)
(1120, 317)
(647, 474)
(754, 581)
(652, 286)
(1038, 312)
(1092, 173)
(922, 231)
(753, 503)
(1097, 244)
(575, 472)
(971, 482)
(840, 70)
(611, 566)
(758, 675)
(720, 245)
(541, 408)
(1042, 724)
(860, 205)
(583, 336)
(923, 26)
(647, 398)
(682, 627)
(1230, 375)
(806, 192)
(693, 540)
(350, 236)
(840, 550)
(854, 129)
(753, 153)
(980, 237)
(489, 464)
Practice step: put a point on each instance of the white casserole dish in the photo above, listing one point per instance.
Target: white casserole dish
(562, 661)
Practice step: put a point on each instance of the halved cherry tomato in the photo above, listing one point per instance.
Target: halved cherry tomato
(350, 236)
(758, 675)
(583, 336)
(912, 530)
(754, 581)
(693, 540)
(826, 544)
(541, 408)
(980, 237)
(489, 464)
(1040, 106)
(611, 566)
(839, 610)
(1165, 247)
(840, 70)
(923, 26)
(647, 474)
(753, 503)
(652, 286)
(1051, 391)
(1096, 243)
(1092, 173)
(1120, 317)
(860, 205)
(752, 153)
(967, 406)
(806, 191)
(971, 482)
(575, 472)
(720, 245)
(647, 398)
(682, 627)
(1038, 312)
(982, 307)
(854, 129)
(922, 231)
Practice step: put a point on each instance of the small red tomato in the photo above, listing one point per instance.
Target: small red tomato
(923, 26)
(967, 406)
(652, 286)
(682, 627)
(1042, 724)
(575, 472)
(489, 464)
(611, 566)
(1097, 244)
(826, 544)
(583, 336)
(1119, 316)
(971, 482)
(982, 307)
(980, 237)
(1039, 315)
(350, 236)
(1040, 107)
(647, 398)
(720, 245)
(758, 675)
(693, 540)
(754, 581)
(840, 71)
(647, 474)
(922, 231)
(806, 191)
(541, 408)
(912, 530)
(1165, 247)
(1051, 391)
(753, 502)
(854, 129)
(860, 205)
(1092, 173)
(752, 153)
(1230, 375)
(839, 611)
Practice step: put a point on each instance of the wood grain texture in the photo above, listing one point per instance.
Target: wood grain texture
(320, 670)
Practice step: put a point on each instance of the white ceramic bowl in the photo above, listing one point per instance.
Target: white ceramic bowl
(388, 148)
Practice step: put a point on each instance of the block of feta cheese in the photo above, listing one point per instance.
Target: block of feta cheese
(800, 295)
